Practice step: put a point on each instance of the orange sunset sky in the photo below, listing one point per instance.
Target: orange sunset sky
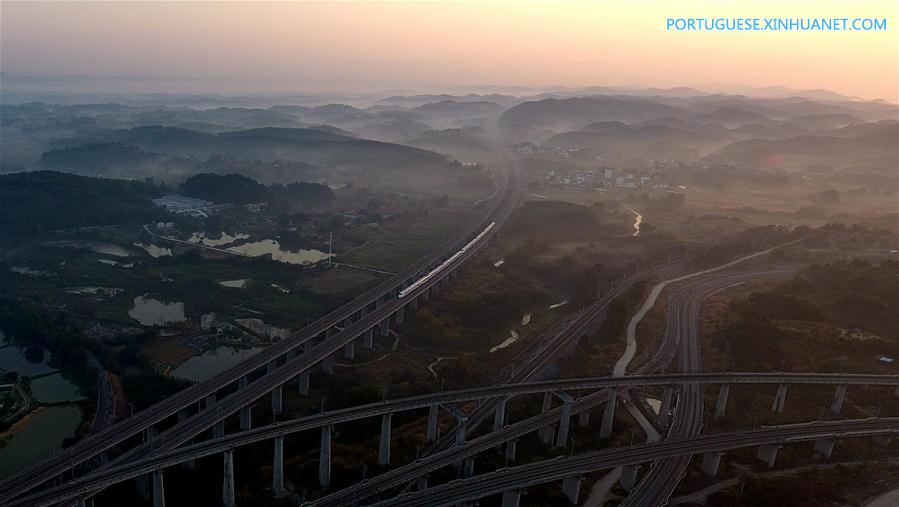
(350, 46)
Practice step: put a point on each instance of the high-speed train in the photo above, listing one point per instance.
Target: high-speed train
(418, 283)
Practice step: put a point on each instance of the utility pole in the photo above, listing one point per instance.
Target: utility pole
(330, 241)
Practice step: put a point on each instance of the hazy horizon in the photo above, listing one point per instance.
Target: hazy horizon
(374, 47)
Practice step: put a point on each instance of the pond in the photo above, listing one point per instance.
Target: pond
(269, 246)
(154, 250)
(152, 312)
(224, 239)
(97, 247)
(207, 364)
(14, 358)
(36, 437)
(54, 389)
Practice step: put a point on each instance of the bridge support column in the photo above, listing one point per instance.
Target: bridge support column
(780, 398)
(384, 327)
(665, 406)
(79, 501)
(182, 416)
(218, 431)
(499, 417)
(571, 488)
(583, 419)
(768, 453)
(461, 429)
(564, 419)
(896, 392)
(838, 398)
(468, 467)
(209, 401)
(242, 383)
(384, 447)
(328, 365)
(546, 432)
(303, 383)
(511, 498)
(628, 478)
(278, 468)
(710, 462)
(511, 446)
(228, 499)
(432, 423)
(426, 295)
(400, 316)
(349, 351)
(277, 400)
(324, 459)
(721, 404)
(422, 483)
(608, 417)
(413, 304)
(158, 489)
(825, 447)
(246, 418)
(368, 339)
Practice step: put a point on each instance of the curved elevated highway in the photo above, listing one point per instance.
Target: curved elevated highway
(510, 481)
(162, 458)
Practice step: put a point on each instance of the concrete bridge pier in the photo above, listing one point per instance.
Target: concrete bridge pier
(426, 295)
(422, 483)
(564, 419)
(780, 398)
(303, 383)
(328, 365)
(278, 468)
(571, 488)
(209, 401)
(825, 447)
(461, 429)
(583, 418)
(277, 400)
(349, 351)
(499, 416)
(182, 416)
(608, 417)
(721, 404)
(218, 431)
(384, 446)
(228, 499)
(511, 498)
(413, 304)
(511, 447)
(158, 489)
(384, 327)
(432, 423)
(546, 433)
(400, 316)
(246, 418)
(710, 463)
(665, 406)
(368, 339)
(468, 467)
(324, 460)
(896, 392)
(628, 480)
(839, 397)
(768, 453)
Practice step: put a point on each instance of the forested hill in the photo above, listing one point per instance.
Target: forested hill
(40, 201)
(239, 189)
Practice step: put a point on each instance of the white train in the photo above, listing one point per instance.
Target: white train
(418, 283)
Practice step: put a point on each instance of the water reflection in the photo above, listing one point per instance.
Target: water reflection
(36, 437)
(152, 312)
(273, 248)
(207, 364)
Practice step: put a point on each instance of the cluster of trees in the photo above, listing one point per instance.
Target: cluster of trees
(239, 189)
(35, 202)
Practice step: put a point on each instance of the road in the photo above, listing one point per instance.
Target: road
(167, 457)
(684, 306)
(552, 470)
(104, 415)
